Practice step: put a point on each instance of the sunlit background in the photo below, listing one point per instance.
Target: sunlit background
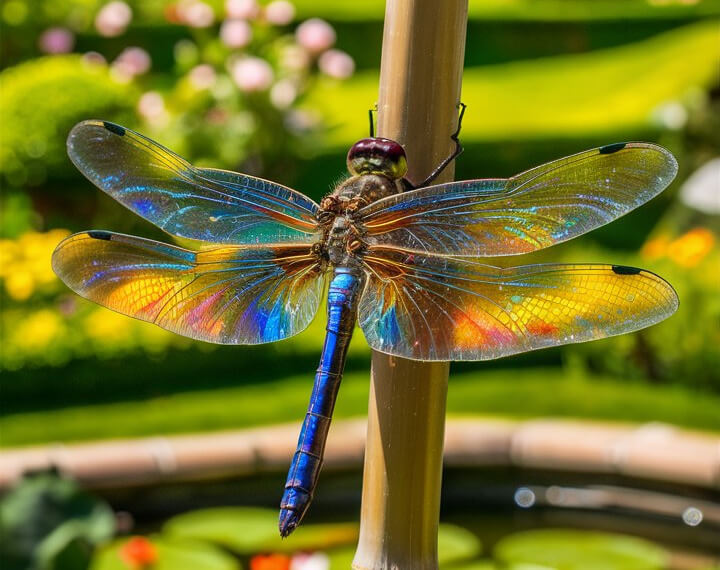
(282, 90)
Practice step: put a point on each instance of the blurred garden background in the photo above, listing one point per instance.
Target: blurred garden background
(282, 90)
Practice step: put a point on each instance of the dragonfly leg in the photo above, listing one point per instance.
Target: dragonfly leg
(372, 122)
(452, 156)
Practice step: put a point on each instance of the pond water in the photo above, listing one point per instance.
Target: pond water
(505, 510)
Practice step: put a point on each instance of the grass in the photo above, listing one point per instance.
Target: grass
(510, 393)
(615, 90)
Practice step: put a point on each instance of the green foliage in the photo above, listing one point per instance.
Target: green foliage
(246, 531)
(455, 546)
(545, 392)
(560, 549)
(41, 100)
(171, 555)
(48, 523)
(532, 10)
(605, 92)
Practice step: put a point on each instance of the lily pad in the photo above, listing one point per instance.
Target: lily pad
(455, 545)
(568, 549)
(171, 555)
(246, 530)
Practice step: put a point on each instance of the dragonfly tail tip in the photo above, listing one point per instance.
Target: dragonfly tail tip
(289, 520)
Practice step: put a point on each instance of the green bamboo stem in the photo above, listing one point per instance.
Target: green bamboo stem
(420, 78)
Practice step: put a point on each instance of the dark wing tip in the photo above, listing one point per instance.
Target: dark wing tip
(113, 128)
(100, 234)
(612, 148)
(625, 270)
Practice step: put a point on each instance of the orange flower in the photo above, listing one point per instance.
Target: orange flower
(690, 248)
(138, 553)
(656, 248)
(270, 562)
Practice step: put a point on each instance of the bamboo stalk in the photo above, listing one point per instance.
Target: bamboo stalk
(420, 78)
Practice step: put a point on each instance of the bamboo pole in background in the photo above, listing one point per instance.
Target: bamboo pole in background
(420, 79)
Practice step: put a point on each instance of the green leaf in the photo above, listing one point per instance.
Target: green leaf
(35, 125)
(600, 93)
(171, 555)
(567, 549)
(47, 518)
(246, 530)
(456, 544)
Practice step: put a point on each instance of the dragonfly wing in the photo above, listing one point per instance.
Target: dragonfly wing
(543, 206)
(439, 308)
(196, 203)
(227, 295)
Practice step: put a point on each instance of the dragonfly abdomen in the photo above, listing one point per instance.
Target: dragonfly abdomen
(307, 461)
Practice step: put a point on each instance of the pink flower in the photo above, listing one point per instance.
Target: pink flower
(197, 14)
(279, 12)
(151, 105)
(251, 74)
(132, 61)
(94, 58)
(242, 9)
(202, 76)
(235, 33)
(113, 18)
(336, 63)
(56, 40)
(315, 35)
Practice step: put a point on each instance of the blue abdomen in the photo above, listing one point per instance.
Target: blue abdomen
(307, 461)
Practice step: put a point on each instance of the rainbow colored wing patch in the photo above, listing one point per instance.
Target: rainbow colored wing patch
(196, 203)
(226, 295)
(438, 308)
(543, 206)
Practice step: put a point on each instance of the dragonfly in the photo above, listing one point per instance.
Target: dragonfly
(403, 260)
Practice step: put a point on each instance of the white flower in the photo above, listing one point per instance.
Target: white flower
(283, 94)
(235, 33)
(701, 191)
(314, 561)
(315, 35)
(113, 19)
(671, 115)
(251, 74)
(279, 12)
(336, 63)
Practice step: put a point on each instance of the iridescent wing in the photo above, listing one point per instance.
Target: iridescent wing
(549, 204)
(196, 203)
(226, 295)
(439, 308)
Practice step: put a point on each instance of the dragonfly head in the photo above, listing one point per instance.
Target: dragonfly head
(377, 156)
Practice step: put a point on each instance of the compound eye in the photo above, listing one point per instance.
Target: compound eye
(377, 156)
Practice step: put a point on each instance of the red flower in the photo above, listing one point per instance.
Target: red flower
(138, 552)
(270, 562)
